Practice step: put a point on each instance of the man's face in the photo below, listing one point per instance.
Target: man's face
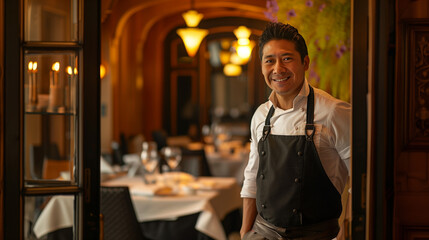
(282, 67)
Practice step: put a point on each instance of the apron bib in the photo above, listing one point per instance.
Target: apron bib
(292, 186)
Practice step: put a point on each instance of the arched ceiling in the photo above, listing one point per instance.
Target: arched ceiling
(116, 14)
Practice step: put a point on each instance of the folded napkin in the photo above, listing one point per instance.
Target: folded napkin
(151, 190)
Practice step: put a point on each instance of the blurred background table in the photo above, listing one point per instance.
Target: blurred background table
(203, 211)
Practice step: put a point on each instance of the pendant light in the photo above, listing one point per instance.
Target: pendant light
(192, 35)
(243, 45)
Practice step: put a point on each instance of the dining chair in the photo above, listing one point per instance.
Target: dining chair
(119, 218)
(52, 168)
(195, 162)
(160, 137)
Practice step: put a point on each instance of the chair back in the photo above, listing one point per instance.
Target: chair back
(119, 217)
(195, 162)
(52, 168)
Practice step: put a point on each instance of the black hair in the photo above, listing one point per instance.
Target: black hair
(279, 31)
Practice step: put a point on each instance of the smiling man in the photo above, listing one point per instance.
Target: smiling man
(300, 150)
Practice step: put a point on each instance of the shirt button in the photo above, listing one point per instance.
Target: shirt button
(262, 176)
(263, 153)
(297, 180)
(302, 109)
(296, 128)
(263, 206)
(300, 153)
(294, 210)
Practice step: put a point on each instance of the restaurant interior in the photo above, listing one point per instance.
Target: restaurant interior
(131, 118)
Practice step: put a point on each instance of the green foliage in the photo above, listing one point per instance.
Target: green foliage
(325, 25)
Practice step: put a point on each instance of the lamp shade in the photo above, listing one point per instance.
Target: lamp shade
(192, 38)
(242, 32)
(244, 51)
(192, 18)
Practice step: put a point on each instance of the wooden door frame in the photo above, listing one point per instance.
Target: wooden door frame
(11, 108)
(359, 92)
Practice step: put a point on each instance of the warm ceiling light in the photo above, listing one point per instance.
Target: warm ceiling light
(192, 18)
(232, 70)
(242, 32)
(225, 44)
(244, 51)
(243, 46)
(235, 59)
(192, 38)
(224, 56)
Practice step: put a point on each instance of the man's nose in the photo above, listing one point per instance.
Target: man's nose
(279, 68)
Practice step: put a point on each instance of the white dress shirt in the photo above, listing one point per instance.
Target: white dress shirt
(332, 119)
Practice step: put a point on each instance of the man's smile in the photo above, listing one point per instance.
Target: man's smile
(281, 80)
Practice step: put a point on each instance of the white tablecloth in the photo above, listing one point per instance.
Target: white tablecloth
(228, 165)
(213, 204)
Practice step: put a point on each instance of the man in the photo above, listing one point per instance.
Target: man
(300, 148)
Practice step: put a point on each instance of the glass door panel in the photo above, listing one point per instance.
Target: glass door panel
(49, 217)
(50, 119)
(51, 20)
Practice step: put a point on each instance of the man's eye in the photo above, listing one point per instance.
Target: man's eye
(268, 61)
(287, 59)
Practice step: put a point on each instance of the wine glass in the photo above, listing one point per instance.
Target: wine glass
(173, 156)
(149, 158)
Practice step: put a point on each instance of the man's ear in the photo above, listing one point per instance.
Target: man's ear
(306, 62)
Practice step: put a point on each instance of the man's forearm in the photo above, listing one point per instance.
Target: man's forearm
(249, 215)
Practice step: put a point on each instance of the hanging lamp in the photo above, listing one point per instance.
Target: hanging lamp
(243, 46)
(192, 35)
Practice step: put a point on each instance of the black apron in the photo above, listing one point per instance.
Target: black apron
(293, 189)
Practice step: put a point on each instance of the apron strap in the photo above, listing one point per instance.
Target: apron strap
(309, 127)
(267, 126)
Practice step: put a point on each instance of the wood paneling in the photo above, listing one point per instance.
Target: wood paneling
(1, 118)
(412, 121)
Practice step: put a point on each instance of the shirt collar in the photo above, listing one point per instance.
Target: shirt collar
(305, 90)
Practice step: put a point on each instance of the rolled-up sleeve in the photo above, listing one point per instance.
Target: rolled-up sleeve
(249, 185)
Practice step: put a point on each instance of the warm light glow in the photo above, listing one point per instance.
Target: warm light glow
(35, 66)
(242, 32)
(243, 46)
(192, 18)
(225, 44)
(243, 41)
(235, 59)
(192, 38)
(75, 71)
(56, 66)
(69, 70)
(224, 57)
(102, 71)
(232, 70)
(30, 66)
(244, 51)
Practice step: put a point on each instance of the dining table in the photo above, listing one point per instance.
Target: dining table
(228, 160)
(210, 199)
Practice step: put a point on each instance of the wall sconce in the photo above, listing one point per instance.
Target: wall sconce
(192, 35)
(102, 71)
(243, 46)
